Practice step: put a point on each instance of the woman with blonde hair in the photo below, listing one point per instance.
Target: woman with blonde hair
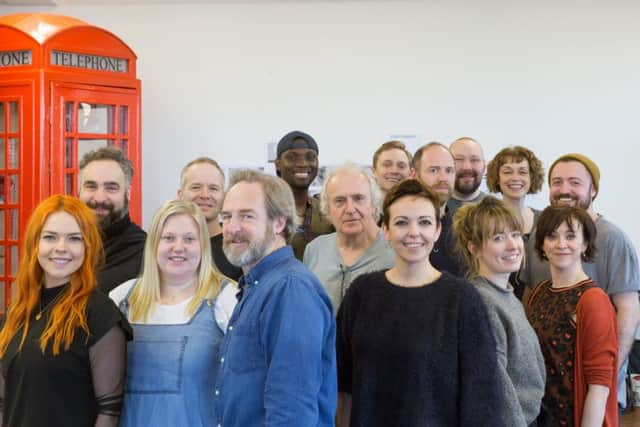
(179, 308)
(489, 238)
(63, 342)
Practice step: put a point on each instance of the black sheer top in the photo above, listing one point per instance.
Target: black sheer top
(81, 386)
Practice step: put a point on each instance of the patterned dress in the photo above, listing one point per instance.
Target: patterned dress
(552, 314)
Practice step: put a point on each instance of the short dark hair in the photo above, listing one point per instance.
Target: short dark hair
(409, 187)
(110, 153)
(515, 154)
(553, 216)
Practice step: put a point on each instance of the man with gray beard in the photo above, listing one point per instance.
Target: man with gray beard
(105, 186)
(277, 359)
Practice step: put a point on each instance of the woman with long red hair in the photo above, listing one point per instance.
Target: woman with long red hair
(62, 343)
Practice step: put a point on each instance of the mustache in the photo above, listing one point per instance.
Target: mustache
(100, 205)
(565, 195)
(466, 173)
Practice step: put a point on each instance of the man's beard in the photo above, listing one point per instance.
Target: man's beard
(105, 221)
(581, 203)
(255, 251)
(467, 189)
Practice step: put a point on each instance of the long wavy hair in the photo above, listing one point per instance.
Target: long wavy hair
(147, 289)
(70, 311)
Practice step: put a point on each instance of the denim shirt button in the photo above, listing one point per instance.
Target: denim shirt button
(230, 328)
(222, 360)
(255, 282)
(217, 392)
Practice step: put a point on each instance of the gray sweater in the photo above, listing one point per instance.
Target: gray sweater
(519, 353)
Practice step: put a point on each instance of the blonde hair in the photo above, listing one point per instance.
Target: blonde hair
(147, 289)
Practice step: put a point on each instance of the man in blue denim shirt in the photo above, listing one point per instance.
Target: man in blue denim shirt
(277, 360)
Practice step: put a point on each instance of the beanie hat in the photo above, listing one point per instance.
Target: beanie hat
(586, 162)
(296, 139)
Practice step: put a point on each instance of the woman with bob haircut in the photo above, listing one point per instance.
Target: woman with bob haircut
(179, 309)
(414, 345)
(516, 172)
(63, 343)
(576, 325)
(489, 238)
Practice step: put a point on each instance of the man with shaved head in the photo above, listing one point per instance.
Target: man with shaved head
(470, 168)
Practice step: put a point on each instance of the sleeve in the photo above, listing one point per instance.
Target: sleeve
(108, 360)
(102, 315)
(298, 335)
(508, 399)
(596, 318)
(479, 381)
(622, 272)
(345, 323)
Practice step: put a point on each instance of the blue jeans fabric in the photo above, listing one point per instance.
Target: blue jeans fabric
(171, 372)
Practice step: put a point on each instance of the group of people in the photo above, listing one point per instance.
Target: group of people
(403, 296)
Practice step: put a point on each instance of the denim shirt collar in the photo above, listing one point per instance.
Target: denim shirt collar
(265, 265)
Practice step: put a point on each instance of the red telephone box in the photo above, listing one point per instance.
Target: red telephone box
(66, 88)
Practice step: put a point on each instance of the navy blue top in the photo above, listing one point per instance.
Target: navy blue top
(278, 363)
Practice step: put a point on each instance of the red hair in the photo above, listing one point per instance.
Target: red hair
(70, 312)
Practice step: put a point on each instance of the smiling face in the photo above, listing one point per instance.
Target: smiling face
(412, 229)
(564, 246)
(515, 179)
(103, 188)
(351, 209)
(437, 171)
(179, 251)
(203, 184)
(61, 248)
(248, 233)
(570, 184)
(470, 165)
(392, 166)
(501, 254)
(298, 167)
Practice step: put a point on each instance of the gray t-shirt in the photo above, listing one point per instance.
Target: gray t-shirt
(523, 379)
(322, 257)
(454, 204)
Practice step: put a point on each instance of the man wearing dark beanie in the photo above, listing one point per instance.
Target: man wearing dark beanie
(297, 164)
(574, 179)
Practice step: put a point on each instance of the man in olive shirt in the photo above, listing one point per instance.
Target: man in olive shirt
(297, 165)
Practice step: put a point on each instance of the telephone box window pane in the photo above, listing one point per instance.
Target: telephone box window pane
(1, 224)
(3, 199)
(68, 183)
(68, 153)
(95, 118)
(1, 116)
(124, 119)
(124, 145)
(68, 116)
(13, 153)
(86, 145)
(1, 152)
(2, 261)
(13, 215)
(13, 189)
(13, 116)
(14, 260)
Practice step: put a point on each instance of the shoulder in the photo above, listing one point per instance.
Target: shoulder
(318, 245)
(368, 280)
(102, 315)
(594, 299)
(120, 292)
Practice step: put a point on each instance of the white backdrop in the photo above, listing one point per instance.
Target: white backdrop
(225, 78)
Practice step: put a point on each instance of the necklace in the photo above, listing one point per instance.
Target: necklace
(42, 310)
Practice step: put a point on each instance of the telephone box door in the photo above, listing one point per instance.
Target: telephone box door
(16, 102)
(85, 118)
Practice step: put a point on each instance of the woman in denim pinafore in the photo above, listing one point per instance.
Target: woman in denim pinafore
(178, 309)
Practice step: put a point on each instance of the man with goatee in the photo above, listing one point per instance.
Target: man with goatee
(470, 168)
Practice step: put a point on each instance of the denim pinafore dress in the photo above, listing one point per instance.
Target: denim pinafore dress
(171, 371)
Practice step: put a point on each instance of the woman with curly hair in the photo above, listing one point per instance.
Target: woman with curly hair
(63, 342)
(516, 172)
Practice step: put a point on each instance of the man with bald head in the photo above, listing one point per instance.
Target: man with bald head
(470, 168)
(435, 168)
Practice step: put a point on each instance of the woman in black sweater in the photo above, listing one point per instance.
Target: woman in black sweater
(414, 345)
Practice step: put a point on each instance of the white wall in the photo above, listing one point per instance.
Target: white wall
(222, 79)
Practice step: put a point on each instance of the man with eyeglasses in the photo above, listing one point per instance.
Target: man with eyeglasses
(297, 165)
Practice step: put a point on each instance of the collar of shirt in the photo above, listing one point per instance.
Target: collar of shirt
(264, 266)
